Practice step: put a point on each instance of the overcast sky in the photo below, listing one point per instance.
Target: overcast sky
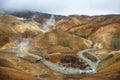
(63, 7)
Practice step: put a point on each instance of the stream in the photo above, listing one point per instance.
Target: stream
(59, 68)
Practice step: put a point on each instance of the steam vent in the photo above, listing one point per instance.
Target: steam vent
(40, 46)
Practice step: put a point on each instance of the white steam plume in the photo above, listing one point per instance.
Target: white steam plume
(49, 24)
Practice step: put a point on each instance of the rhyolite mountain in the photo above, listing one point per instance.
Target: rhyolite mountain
(37, 16)
(102, 29)
(59, 45)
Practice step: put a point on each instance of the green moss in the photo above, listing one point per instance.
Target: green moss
(116, 44)
(65, 44)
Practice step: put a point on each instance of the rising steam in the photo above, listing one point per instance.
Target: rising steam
(49, 24)
(22, 43)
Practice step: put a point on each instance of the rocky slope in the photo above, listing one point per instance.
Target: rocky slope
(12, 28)
(60, 46)
(37, 16)
(99, 29)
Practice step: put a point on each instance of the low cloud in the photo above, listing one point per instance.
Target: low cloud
(64, 7)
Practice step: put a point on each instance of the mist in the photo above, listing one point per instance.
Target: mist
(63, 7)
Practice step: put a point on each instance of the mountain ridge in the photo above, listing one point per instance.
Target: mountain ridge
(59, 45)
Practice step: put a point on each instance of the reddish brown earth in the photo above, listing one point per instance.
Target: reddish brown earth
(61, 46)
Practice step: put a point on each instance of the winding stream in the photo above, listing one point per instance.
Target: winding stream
(53, 66)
